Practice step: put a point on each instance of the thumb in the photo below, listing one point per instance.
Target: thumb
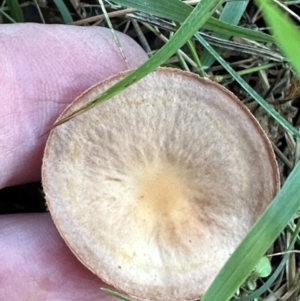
(44, 68)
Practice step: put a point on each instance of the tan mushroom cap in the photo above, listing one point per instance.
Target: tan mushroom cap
(155, 188)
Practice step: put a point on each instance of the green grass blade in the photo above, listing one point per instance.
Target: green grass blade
(116, 294)
(225, 28)
(196, 19)
(174, 10)
(258, 240)
(64, 11)
(15, 10)
(8, 17)
(271, 111)
(178, 11)
(231, 14)
(286, 34)
(277, 271)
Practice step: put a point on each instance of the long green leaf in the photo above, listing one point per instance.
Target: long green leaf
(196, 19)
(258, 240)
(174, 10)
(63, 11)
(271, 111)
(231, 14)
(286, 34)
(15, 10)
(7, 16)
(178, 11)
(225, 28)
(277, 271)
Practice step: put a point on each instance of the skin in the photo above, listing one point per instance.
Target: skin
(43, 68)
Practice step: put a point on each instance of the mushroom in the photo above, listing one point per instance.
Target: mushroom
(154, 189)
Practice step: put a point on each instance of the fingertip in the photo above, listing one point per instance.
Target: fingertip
(37, 265)
(44, 68)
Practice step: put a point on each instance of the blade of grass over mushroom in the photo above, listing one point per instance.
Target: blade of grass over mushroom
(249, 251)
(271, 111)
(178, 11)
(231, 13)
(15, 10)
(63, 11)
(196, 19)
(286, 34)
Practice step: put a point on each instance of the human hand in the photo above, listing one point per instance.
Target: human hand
(43, 68)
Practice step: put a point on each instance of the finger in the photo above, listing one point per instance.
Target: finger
(43, 68)
(37, 265)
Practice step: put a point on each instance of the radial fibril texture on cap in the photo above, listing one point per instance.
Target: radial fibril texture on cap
(154, 189)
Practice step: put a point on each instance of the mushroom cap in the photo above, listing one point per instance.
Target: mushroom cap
(154, 189)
